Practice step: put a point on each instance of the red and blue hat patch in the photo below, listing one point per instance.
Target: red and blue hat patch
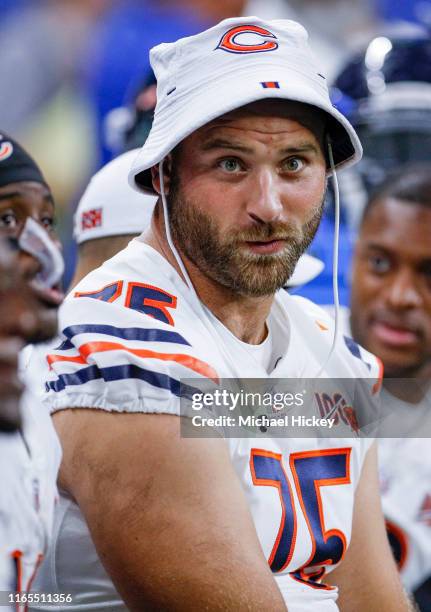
(270, 84)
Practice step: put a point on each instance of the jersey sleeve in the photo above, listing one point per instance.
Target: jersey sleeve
(116, 359)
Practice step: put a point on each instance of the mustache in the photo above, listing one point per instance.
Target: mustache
(278, 230)
(275, 231)
(267, 232)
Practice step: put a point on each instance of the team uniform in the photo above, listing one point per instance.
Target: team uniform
(30, 461)
(405, 477)
(132, 331)
(29, 458)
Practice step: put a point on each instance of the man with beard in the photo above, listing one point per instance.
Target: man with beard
(30, 267)
(391, 316)
(238, 156)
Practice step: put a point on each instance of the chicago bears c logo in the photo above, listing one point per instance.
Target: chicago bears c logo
(231, 41)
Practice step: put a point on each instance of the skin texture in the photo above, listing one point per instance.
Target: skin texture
(92, 254)
(26, 199)
(391, 293)
(18, 201)
(22, 319)
(188, 498)
(27, 313)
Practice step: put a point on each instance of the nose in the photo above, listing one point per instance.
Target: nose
(403, 292)
(28, 265)
(264, 199)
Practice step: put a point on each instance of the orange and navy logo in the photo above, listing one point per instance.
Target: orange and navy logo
(235, 41)
(6, 149)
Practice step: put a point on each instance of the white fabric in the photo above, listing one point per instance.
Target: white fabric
(405, 482)
(189, 97)
(265, 354)
(109, 207)
(126, 378)
(29, 466)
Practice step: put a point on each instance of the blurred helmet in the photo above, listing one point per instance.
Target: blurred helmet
(385, 91)
(127, 127)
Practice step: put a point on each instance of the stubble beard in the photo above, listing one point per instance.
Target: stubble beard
(225, 259)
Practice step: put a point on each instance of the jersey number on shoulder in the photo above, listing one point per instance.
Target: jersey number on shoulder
(310, 470)
(150, 300)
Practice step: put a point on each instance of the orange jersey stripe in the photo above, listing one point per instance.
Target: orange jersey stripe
(378, 384)
(96, 347)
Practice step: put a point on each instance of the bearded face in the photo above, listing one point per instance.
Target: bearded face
(226, 258)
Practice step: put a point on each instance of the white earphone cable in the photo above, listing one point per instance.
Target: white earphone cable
(335, 250)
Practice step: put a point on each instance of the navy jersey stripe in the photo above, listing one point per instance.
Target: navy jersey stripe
(355, 350)
(66, 345)
(122, 372)
(76, 378)
(126, 333)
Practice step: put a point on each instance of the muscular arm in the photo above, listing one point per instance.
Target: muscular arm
(367, 577)
(167, 515)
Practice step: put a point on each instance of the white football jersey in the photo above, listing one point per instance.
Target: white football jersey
(405, 480)
(405, 483)
(29, 463)
(131, 331)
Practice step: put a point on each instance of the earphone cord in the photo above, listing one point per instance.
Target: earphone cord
(334, 259)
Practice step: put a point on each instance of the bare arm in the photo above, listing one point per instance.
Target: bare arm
(167, 515)
(367, 577)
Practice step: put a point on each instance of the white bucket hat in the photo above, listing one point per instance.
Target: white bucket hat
(109, 207)
(234, 63)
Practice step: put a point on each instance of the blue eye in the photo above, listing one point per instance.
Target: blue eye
(293, 164)
(230, 164)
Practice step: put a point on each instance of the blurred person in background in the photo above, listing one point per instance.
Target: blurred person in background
(125, 37)
(43, 66)
(390, 316)
(416, 11)
(30, 269)
(18, 324)
(46, 45)
(385, 91)
(109, 215)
